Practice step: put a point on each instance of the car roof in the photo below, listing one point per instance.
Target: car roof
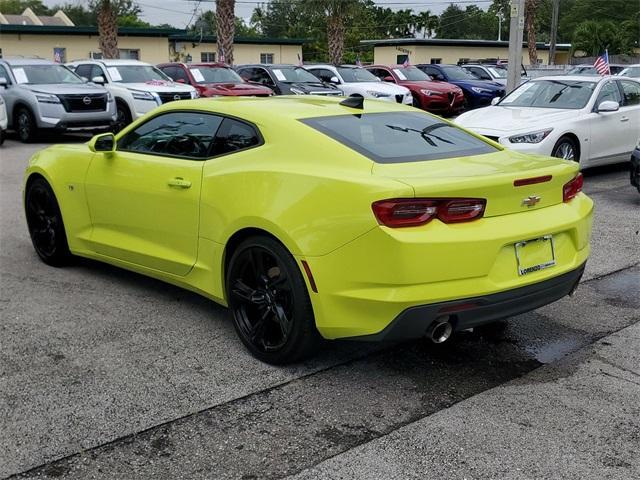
(27, 61)
(577, 78)
(268, 65)
(199, 64)
(109, 61)
(260, 110)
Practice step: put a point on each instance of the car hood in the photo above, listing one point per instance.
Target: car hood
(382, 87)
(157, 86)
(312, 87)
(496, 120)
(236, 89)
(440, 87)
(486, 84)
(65, 88)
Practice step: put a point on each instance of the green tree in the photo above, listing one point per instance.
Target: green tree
(594, 37)
(16, 7)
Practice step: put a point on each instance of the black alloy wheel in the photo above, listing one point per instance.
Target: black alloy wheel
(25, 126)
(123, 117)
(269, 301)
(44, 221)
(566, 149)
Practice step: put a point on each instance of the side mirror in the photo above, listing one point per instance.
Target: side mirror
(105, 142)
(335, 80)
(495, 100)
(99, 79)
(608, 106)
(4, 82)
(389, 79)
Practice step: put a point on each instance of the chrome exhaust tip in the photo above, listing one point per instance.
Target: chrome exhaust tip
(440, 330)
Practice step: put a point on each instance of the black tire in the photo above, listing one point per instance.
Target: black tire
(415, 101)
(2, 136)
(123, 117)
(269, 301)
(566, 148)
(45, 224)
(25, 125)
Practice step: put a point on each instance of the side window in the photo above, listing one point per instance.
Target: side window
(84, 70)
(169, 72)
(180, 74)
(631, 92)
(432, 72)
(181, 134)
(480, 73)
(323, 74)
(376, 72)
(609, 92)
(260, 75)
(97, 71)
(5, 74)
(245, 73)
(235, 135)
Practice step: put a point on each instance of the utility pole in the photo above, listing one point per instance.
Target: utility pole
(516, 29)
(554, 32)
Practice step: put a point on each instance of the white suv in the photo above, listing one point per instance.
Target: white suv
(136, 86)
(356, 81)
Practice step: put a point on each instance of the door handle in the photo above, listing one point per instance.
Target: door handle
(179, 182)
(624, 119)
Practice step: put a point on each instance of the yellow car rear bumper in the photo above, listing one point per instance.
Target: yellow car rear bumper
(367, 284)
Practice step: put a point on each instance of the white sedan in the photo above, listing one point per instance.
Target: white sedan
(592, 120)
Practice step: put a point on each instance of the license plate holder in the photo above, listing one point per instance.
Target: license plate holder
(535, 255)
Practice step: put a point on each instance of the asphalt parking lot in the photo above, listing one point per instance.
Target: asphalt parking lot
(108, 374)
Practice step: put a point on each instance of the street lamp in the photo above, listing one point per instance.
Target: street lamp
(500, 16)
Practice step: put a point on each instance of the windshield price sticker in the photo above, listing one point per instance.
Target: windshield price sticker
(21, 77)
(279, 75)
(197, 75)
(399, 73)
(114, 73)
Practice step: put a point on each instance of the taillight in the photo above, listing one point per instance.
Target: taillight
(572, 188)
(412, 212)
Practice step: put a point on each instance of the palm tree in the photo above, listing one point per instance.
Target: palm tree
(427, 22)
(225, 29)
(108, 29)
(335, 11)
(530, 15)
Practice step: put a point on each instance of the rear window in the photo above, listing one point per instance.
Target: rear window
(397, 137)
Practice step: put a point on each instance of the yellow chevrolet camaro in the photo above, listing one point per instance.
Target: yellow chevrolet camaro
(315, 217)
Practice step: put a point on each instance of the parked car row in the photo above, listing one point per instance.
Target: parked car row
(97, 94)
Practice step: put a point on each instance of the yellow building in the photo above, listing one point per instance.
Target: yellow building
(437, 50)
(65, 43)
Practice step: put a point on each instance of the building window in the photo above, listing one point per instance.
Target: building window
(208, 56)
(266, 58)
(400, 59)
(95, 55)
(129, 53)
(435, 61)
(59, 55)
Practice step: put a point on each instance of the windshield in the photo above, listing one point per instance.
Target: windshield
(136, 74)
(397, 137)
(457, 73)
(42, 74)
(295, 74)
(569, 94)
(350, 75)
(411, 73)
(633, 72)
(215, 75)
(498, 72)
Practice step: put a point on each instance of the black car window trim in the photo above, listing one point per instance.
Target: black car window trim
(196, 159)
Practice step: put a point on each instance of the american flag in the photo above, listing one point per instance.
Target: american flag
(602, 64)
(406, 62)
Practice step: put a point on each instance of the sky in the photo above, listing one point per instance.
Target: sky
(179, 13)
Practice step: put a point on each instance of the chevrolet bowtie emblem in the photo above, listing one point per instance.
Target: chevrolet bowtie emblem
(530, 201)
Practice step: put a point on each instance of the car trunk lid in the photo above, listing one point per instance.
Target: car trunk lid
(510, 182)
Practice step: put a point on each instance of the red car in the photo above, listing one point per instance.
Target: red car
(435, 97)
(213, 79)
